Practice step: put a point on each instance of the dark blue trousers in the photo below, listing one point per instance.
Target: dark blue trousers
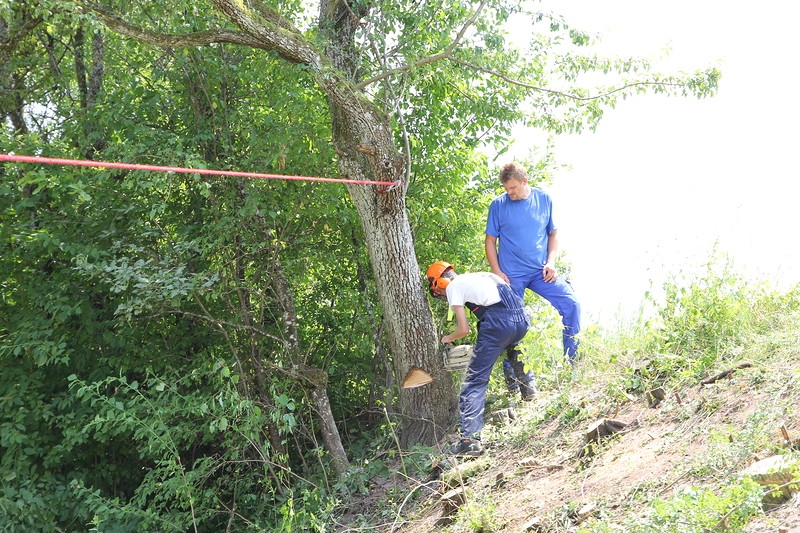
(501, 326)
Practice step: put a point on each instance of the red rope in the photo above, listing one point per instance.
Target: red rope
(87, 163)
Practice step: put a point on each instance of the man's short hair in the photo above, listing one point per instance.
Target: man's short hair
(513, 170)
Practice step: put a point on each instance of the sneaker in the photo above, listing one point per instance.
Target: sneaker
(467, 448)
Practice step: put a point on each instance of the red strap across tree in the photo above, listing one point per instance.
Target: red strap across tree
(385, 185)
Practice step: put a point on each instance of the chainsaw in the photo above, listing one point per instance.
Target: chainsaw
(456, 357)
(453, 357)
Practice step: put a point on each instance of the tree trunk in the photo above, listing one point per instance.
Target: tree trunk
(314, 380)
(330, 433)
(364, 141)
(426, 411)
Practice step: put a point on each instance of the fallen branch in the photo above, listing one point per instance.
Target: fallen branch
(724, 374)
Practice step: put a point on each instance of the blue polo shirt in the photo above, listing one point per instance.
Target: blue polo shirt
(522, 228)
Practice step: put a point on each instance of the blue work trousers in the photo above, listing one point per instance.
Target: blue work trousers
(561, 296)
(501, 326)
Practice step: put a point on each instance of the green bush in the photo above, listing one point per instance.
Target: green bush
(705, 320)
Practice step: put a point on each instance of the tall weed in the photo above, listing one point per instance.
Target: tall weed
(705, 320)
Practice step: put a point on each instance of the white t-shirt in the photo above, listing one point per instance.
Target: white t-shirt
(477, 287)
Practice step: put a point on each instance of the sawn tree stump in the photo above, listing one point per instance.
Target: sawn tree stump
(600, 430)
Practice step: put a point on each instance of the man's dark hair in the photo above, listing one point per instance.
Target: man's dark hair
(512, 170)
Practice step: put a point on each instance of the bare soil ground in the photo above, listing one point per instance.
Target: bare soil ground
(538, 478)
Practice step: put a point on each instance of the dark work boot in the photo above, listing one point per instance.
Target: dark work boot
(511, 380)
(528, 389)
(525, 381)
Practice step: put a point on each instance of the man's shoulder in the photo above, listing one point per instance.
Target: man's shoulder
(500, 202)
(538, 191)
(500, 198)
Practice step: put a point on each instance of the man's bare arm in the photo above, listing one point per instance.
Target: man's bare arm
(490, 243)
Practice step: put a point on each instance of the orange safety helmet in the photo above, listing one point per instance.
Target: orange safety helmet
(437, 280)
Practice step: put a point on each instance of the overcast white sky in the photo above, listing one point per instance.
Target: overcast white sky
(663, 179)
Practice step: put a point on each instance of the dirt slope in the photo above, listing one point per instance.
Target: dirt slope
(538, 477)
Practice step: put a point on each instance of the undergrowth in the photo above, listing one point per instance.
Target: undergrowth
(701, 326)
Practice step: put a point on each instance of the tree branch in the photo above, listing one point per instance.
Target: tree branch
(519, 83)
(271, 35)
(724, 374)
(219, 323)
(270, 28)
(430, 59)
(448, 54)
(171, 40)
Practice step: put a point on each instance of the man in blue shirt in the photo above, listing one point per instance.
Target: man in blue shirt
(521, 222)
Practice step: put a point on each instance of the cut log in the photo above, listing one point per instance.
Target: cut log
(454, 477)
(416, 377)
(531, 464)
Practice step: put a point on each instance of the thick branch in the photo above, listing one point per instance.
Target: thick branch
(269, 27)
(10, 40)
(265, 35)
(171, 40)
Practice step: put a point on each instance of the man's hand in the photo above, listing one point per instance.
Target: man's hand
(549, 273)
(502, 275)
